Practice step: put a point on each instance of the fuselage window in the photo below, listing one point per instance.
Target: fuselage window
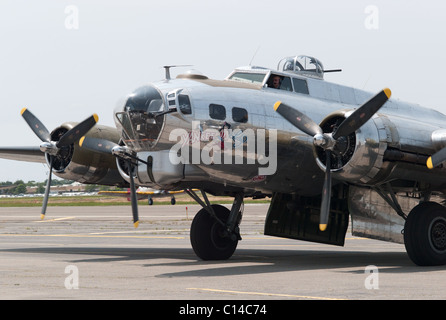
(239, 115)
(184, 103)
(217, 111)
(300, 86)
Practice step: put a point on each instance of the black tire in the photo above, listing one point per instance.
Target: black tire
(425, 234)
(207, 235)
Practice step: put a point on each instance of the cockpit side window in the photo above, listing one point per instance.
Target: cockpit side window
(276, 81)
(286, 84)
(300, 86)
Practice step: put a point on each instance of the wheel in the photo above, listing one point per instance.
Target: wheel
(208, 237)
(150, 201)
(425, 234)
(172, 201)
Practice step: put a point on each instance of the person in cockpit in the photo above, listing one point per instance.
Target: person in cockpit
(275, 82)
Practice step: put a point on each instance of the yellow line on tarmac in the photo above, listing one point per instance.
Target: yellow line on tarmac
(264, 294)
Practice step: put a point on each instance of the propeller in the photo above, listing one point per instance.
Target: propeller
(436, 159)
(133, 200)
(332, 143)
(106, 146)
(53, 148)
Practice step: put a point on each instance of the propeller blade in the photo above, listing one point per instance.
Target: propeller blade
(78, 131)
(47, 190)
(436, 159)
(95, 144)
(105, 146)
(36, 126)
(133, 195)
(326, 194)
(298, 119)
(362, 114)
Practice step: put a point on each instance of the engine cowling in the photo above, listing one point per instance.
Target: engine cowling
(85, 166)
(359, 156)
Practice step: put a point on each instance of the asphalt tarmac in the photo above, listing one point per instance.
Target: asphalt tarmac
(95, 253)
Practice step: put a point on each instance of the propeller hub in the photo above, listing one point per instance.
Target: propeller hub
(324, 140)
(319, 140)
(49, 148)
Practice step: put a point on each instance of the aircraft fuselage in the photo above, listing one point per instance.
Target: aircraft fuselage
(399, 136)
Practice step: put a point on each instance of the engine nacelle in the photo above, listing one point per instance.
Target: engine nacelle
(83, 165)
(362, 152)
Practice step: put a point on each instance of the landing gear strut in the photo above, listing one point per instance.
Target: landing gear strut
(215, 232)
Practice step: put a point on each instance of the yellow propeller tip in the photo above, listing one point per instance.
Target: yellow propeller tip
(96, 118)
(429, 163)
(322, 227)
(136, 224)
(388, 92)
(42, 216)
(81, 141)
(22, 111)
(277, 104)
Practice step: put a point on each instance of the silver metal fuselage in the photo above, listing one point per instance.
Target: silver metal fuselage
(407, 129)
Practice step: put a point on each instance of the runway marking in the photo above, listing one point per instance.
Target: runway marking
(89, 236)
(83, 216)
(140, 231)
(56, 219)
(264, 294)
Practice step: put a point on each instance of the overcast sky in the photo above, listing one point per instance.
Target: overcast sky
(64, 69)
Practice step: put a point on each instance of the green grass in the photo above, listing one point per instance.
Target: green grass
(77, 201)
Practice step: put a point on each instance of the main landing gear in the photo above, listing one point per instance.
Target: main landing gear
(425, 234)
(424, 229)
(215, 231)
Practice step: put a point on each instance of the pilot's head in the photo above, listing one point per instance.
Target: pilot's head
(276, 82)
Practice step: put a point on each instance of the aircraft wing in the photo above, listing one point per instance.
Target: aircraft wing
(29, 154)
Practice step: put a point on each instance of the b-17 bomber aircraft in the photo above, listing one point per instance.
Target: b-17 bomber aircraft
(325, 153)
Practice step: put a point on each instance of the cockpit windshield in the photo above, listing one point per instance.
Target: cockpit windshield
(248, 77)
(139, 118)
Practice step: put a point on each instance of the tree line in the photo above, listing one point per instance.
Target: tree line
(20, 187)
